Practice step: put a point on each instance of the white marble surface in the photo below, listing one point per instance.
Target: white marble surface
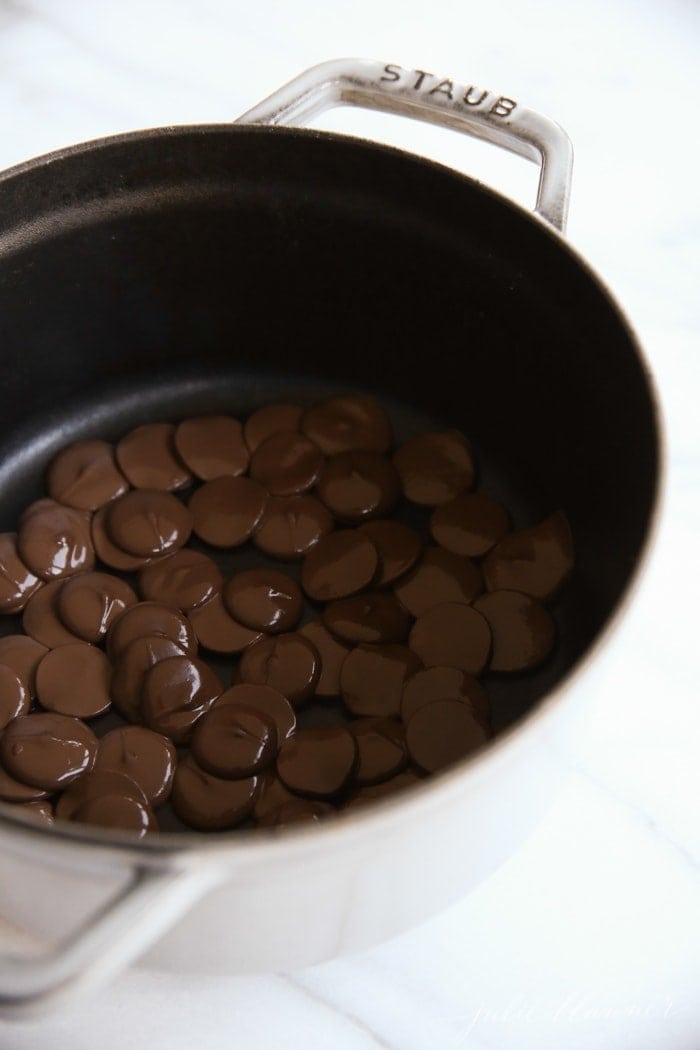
(590, 935)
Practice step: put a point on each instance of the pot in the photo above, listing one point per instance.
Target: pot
(187, 269)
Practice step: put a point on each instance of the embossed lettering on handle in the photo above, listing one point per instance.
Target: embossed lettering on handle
(437, 100)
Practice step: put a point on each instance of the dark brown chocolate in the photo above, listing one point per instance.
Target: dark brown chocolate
(318, 762)
(209, 803)
(341, 564)
(332, 653)
(443, 683)
(14, 696)
(107, 551)
(271, 795)
(289, 663)
(117, 813)
(452, 635)
(41, 812)
(374, 617)
(175, 694)
(85, 475)
(470, 524)
(185, 580)
(398, 547)
(291, 526)
(148, 459)
(441, 733)
(47, 750)
(536, 561)
(148, 523)
(434, 468)
(147, 620)
(269, 420)
(54, 541)
(286, 463)
(75, 680)
(372, 679)
(17, 583)
(127, 680)
(359, 485)
(40, 618)
(13, 790)
(439, 577)
(148, 758)
(89, 604)
(227, 510)
(343, 424)
(522, 630)
(23, 655)
(381, 749)
(264, 599)
(267, 701)
(216, 629)
(234, 740)
(212, 446)
(96, 783)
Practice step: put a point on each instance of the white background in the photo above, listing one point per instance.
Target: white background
(590, 935)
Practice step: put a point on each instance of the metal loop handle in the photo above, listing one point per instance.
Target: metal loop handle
(436, 100)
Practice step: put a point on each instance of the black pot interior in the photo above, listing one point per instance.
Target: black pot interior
(190, 270)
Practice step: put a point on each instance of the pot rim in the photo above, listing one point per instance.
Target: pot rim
(98, 846)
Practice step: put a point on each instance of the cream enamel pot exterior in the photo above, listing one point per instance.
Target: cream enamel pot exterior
(178, 270)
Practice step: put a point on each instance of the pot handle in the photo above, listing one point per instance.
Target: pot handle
(151, 902)
(436, 100)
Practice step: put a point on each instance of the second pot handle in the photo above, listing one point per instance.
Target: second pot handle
(436, 100)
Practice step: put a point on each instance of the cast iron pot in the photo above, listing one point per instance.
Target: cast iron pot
(192, 269)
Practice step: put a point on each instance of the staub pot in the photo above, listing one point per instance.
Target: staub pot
(189, 269)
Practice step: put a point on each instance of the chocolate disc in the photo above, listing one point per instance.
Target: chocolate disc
(96, 784)
(226, 510)
(342, 424)
(441, 733)
(373, 617)
(217, 631)
(12, 790)
(17, 583)
(185, 579)
(148, 523)
(234, 741)
(117, 813)
(40, 618)
(14, 697)
(435, 468)
(373, 676)
(443, 683)
(318, 762)
(147, 757)
(522, 630)
(296, 811)
(48, 750)
(85, 475)
(439, 577)
(289, 663)
(341, 564)
(176, 693)
(127, 680)
(271, 795)
(291, 526)
(75, 680)
(452, 635)
(54, 541)
(23, 655)
(381, 748)
(148, 458)
(147, 620)
(107, 551)
(398, 547)
(269, 420)
(90, 603)
(332, 653)
(286, 463)
(359, 485)
(535, 561)
(264, 599)
(212, 446)
(209, 803)
(470, 524)
(267, 701)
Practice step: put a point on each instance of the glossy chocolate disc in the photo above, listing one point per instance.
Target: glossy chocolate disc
(148, 758)
(117, 813)
(271, 794)
(234, 740)
(54, 541)
(147, 457)
(96, 783)
(127, 680)
(341, 564)
(14, 697)
(209, 803)
(13, 790)
(175, 694)
(289, 663)
(318, 762)
(523, 631)
(216, 629)
(185, 580)
(398, 547)
(147, 620)
(374, 617)
(107, 551)
(439, 577)
(212, 446)
(291, 526)
(267, 701)
(452, 635)
(359, 485)
(85, 475)
(470, 524)
(47, 750)
(441, 733)
(286, 463)
(75, 680)
(227, 510)
(381, 748)
(342, 424)
(148, 523)
(435, 468)
(372, 679)
(264, 599)
(535, 561)
(332, 653)
(40, 618)
(17, 583)
(89, 604)
(269, 420)
(23, 655)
